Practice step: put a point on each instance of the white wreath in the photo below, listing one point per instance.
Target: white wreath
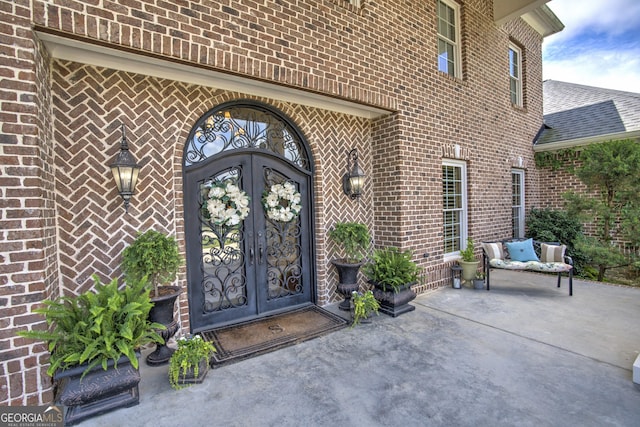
(282, 202)
(227, 204)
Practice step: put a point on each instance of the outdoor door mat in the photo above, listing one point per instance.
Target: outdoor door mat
(237, 342)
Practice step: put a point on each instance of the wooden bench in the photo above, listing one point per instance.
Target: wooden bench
(548, 257)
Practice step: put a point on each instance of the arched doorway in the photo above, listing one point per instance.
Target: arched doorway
(263, 263)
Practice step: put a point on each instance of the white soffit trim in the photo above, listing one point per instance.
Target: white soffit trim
(506, 10)
(102, 56)
(544, 21)
(570, 143)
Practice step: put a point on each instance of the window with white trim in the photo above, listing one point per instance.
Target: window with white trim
(517, 202)
(515, 74)
(454, 202)
(449, 37)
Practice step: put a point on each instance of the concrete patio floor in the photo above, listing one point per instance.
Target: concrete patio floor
(522, 354)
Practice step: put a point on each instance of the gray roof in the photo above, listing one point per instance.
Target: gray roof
(573, 111)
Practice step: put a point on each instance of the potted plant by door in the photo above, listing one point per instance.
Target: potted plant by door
(468, 262)
(155, 256)
(392, 273)
(478, 280)
(363, 306)
(189, 364)
(354, 239)
(94, 340)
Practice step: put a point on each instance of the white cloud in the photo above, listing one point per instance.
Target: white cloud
(600, 45)
(594, 16)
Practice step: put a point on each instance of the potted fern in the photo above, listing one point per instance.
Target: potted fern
(94, 340)
(155, 256)
(353, 240)
(468, 262)
(392, 272)
(189, 364)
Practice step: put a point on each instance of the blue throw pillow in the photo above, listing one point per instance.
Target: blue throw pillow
(522, 251)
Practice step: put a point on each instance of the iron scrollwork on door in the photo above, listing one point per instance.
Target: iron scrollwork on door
(243, 127)
(283, 250)
(224, 281)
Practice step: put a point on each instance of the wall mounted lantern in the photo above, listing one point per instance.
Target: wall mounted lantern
(353, 180)
(125, 171)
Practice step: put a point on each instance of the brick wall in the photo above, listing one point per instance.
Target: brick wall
(28, 269)
(64, 221)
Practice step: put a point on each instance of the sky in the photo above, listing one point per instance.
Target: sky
(599, 46)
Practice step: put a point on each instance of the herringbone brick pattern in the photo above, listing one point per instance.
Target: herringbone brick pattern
(91, 103)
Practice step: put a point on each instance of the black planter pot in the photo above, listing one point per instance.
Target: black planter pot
(348, 281)
(162, 312)
(190, 378)
(99, 391)
(394, 303)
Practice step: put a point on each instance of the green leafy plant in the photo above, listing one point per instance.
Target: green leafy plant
(391, 268)
(353, 237)
(152, 255)
(479, 275)
(363, 305)
(97, 326)
(548, 225)
(190, 352)
(467, 253)
(611, 172)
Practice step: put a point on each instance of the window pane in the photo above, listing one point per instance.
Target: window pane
(452, 193)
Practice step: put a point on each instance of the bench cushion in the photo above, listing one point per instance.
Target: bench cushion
(552, 253)
(522, 251)
(546, 267)
(493, 250)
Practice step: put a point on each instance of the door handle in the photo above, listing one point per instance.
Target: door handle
(260, 254)
(251, 255)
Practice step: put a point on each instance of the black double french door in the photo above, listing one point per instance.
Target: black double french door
(255, 267)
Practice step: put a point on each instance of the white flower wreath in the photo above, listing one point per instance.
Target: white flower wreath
(282, 202)
(226, 204)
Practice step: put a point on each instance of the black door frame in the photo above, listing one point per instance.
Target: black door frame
(206, 167)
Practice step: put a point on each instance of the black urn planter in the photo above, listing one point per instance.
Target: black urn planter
(348, 281)
(99, 391)
(162, 312)
(394, 303)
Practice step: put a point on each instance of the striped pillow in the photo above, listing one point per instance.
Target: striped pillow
(552, 253)
(493, 250)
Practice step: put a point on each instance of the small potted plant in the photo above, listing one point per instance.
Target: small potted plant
(94, 339)
(468, 262)
(155, 256)
(392, 272)
(189, 364)
(353, 239)
(364, 305)
(478, 280)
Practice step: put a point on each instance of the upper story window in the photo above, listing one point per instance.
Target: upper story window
(515, 74)
(449, 37)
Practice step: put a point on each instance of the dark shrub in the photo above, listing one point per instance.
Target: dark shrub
(550, 225)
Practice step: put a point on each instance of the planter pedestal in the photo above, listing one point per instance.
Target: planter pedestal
(348, 278)
(162, 312)
(395, 303)
(99, 391)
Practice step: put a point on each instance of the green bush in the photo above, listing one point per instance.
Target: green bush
(354, 239)
(391, 268)
(97, 326)
(548, 225)
(152, 255)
